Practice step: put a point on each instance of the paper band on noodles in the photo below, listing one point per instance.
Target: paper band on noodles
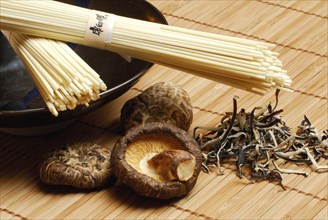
(99, 29)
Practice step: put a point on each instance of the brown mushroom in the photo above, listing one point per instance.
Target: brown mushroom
(82, 165)
(157, 160)
(162, 102)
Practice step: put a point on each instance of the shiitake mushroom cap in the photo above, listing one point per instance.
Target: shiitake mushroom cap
(162, 102)
(82, 164)
(153, 138)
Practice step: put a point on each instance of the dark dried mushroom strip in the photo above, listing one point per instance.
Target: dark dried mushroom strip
(163, 102)
(82, 165)
(138, 159)
(258, 138)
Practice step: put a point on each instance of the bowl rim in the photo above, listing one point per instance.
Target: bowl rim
(102, 94)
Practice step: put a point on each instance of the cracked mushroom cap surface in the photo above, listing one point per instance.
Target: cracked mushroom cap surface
(143, 143)
(82, 165)
(163, 102)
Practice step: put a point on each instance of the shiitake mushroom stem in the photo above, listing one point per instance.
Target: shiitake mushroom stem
(178, 164)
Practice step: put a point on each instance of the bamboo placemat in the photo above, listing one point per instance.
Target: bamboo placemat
(298, 28)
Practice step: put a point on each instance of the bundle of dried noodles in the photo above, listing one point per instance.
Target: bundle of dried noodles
(241, 63)
(63, 79)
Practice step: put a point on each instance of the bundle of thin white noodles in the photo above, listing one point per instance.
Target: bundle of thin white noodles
(63, 79)
(246, 64)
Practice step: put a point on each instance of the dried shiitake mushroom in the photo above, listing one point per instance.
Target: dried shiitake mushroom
(82, 165)
(162, 102)
(157, 160)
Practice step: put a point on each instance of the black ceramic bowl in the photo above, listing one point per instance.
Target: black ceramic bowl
(22, 110)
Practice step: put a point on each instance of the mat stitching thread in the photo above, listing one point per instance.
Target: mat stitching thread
(35, 160)
(227, 167)
(209, 111)
(306, 194)
(175, 206)
(247, 35)
(290, 8)
(310, 94)
(217, 113)
(192, 212)
(13, 214)
(287, 187)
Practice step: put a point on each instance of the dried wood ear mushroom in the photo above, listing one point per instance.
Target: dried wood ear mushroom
(162, 102)
(82, 165)
(157, 160)
(260, 141)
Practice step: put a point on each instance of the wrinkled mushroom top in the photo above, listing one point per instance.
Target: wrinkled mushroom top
(162, 102)
(80, 154)
(83, 165)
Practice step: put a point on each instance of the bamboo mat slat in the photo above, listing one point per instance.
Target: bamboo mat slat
(322, 214)
(280, 26)
(299, 30)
